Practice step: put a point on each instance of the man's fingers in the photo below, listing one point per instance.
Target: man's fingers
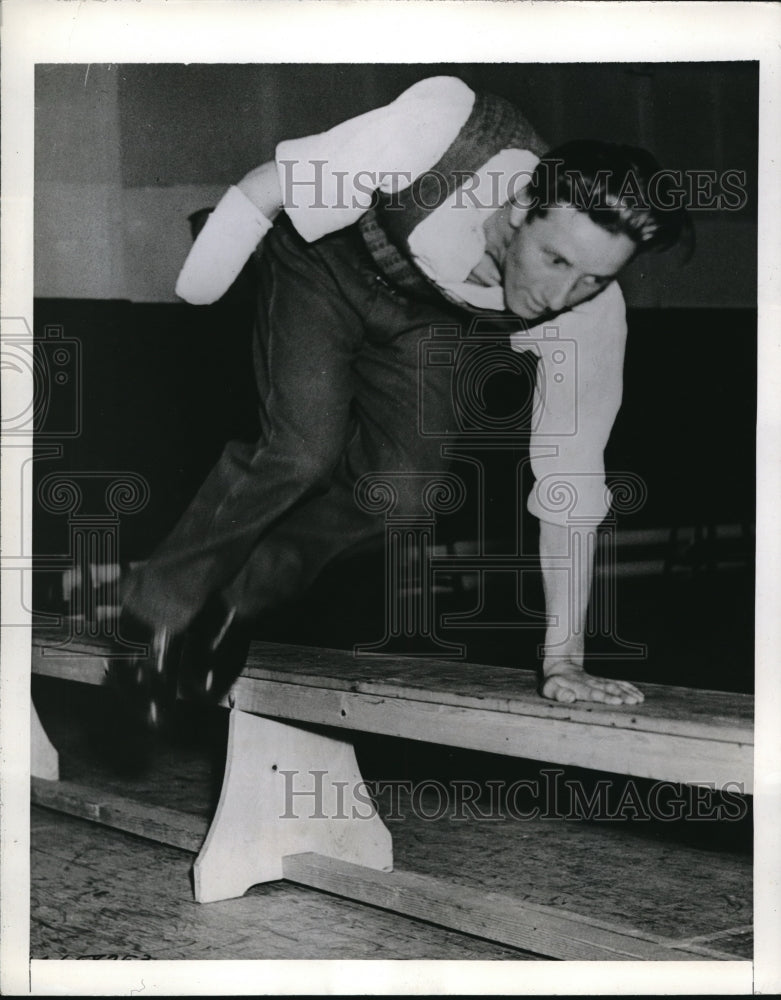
(599, 694)
(630, 689)
(624, 690)
(567, 688)
(557, 689)
(618, 694)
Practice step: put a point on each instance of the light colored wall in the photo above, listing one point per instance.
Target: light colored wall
(79, 224)
(125, 153)
(157, 236)
(96, 237)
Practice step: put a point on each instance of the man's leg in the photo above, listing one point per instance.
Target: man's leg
(391, 376)
(334, 335)
(309, 335)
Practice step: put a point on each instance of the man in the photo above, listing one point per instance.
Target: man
(427, 211)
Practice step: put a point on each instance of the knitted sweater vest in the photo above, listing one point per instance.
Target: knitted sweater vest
(493, 125)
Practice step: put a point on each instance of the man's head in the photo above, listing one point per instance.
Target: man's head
(587, 211)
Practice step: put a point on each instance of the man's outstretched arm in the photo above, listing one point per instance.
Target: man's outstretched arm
(567, 561)
(577, 397)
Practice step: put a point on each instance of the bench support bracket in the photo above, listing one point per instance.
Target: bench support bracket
(44, 759)
(286, 791)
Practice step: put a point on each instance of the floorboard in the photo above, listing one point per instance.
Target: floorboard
(101, 892)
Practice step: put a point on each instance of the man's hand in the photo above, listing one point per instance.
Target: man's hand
(566, 599)
(567, 681)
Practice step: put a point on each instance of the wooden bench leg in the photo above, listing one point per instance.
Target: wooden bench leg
(286, 791)
(44, 759)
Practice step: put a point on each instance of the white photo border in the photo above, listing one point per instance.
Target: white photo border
(410, 31)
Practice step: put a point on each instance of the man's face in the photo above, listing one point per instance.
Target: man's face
(558, 260)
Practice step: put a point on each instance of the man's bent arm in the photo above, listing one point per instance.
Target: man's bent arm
(325, 181)
(263, 189)
(234, 229)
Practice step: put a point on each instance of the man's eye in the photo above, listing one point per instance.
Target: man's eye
(594, 282)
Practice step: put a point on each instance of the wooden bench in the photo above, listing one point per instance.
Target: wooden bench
(270, 825)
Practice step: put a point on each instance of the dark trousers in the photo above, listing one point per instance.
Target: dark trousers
(340, 372)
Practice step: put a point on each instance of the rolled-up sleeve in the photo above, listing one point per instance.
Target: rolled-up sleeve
(577, 396)
(328, 180)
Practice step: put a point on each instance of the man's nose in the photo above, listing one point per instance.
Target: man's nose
(557, 295)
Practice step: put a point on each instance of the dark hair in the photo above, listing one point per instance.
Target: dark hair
(620, 188)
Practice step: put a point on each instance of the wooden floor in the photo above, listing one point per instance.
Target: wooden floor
(96, 891)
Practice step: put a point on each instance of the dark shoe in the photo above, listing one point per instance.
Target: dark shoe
(214, 653)
(145, 682)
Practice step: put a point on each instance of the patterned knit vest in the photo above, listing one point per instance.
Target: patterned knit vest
(493, 125)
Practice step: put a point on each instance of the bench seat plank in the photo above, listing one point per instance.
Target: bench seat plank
(677, 734)
(605, 748)
(673, 710)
